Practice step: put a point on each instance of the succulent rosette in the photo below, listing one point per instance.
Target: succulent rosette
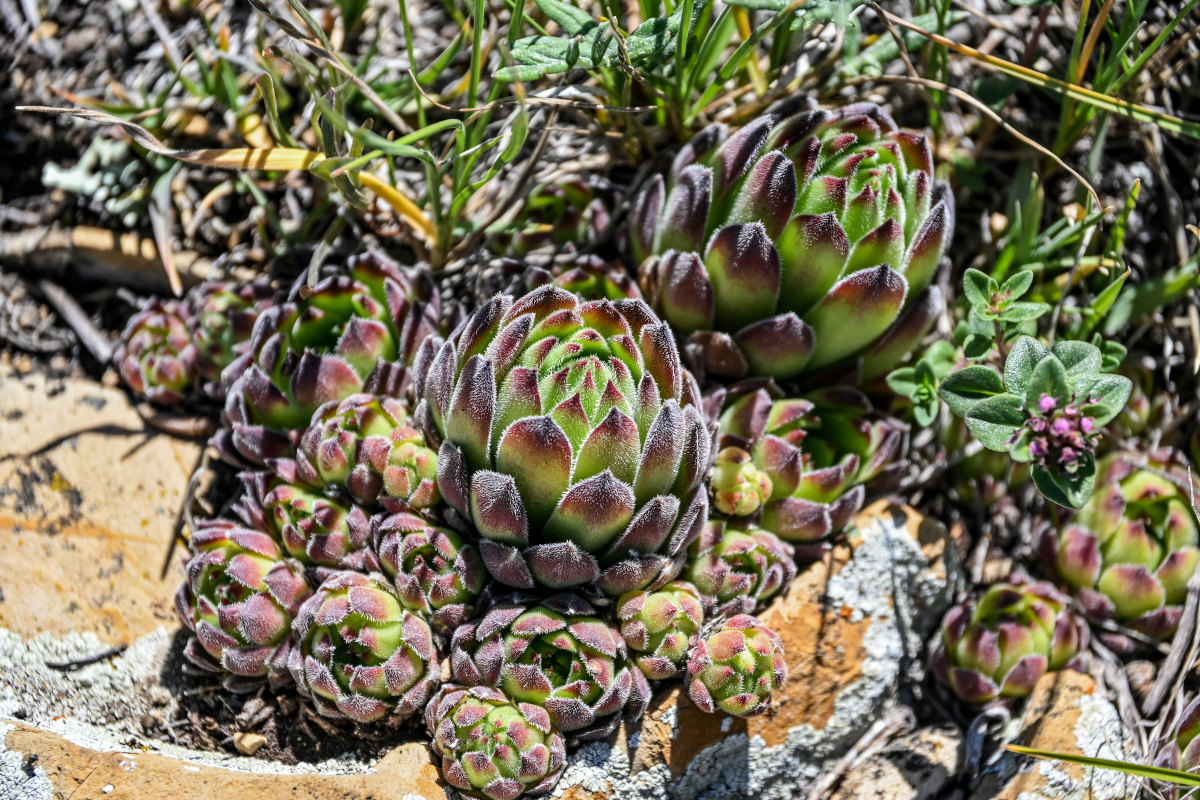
(798, 242)
(1181, 750)
(592, 278)
(561, 216)
(360, 654)
(315, 529)
(492, 747)
(356, 330)
(222, 320)
(736, 667)
(573, 441)
(367, 445)
(737, 570)
(435, 572)
(658, 626)
(156, 356)
(1130, 551)
(999, 646)
(555, 653)
(812, 458)
(239, 596)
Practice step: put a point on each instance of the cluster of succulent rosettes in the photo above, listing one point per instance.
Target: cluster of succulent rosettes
(357, 330)
(588, 278)
(999, 646)
(156, 356)
(798, 242)
(435, 572)
(358, 654)
(171, 348)
(811, 459)
(737, 570)
(492, 747)
(556, 653)
(659, 626)
(315, 529)
(367, 445)
(1059, 435)
(1129, 553)
(573, 441)
(736, 668)
(239, 596)
(1181, 750)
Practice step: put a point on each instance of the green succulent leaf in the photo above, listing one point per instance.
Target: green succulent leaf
(964, 389)
(1025, 354)
(996, 420)
(1071, 490)
(903, 381)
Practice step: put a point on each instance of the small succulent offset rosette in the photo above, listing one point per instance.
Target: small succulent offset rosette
(221, 323)
(659, 626)
(156, 356)
(738, 569)
(356, 330)
(436, 573)
(803, 464)
(1130, 551)
(798, 242)
(999, 646)
(367, 445)
(573, 440)
(239, 596)
(555, 653)
(736, 668)
(492, 747)
(359, 654)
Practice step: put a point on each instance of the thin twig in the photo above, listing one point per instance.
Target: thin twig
(90, 336)
(80, 663)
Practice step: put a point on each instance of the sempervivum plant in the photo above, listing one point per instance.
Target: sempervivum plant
(222, 320)
(156, 356)
(492, 747)
(572, 440)
(737, 570)
(561, 215)
(436, 573)
(658, 626)
(1000, 645)
(356, 330)
(1129, 553)
(239, 596)
(359, 654)
(798, 242)
(1181, 751)
(316, 529)
(556, 653)
(807, 461)
(366, 445)
(736, 667)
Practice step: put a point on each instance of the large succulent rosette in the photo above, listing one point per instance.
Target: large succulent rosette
(999, 646)
(314, 528)
(367, 446)
(658, 626)
(555, 653)
(239, 596)
(737, 570)
(572, 440)
(492, 747)
(1129, 552)
(736, 667)
(357, 330)
(436, 573)
(156, 356)
(360, 654)
(797, 242)
(806, 461)
(222, 320)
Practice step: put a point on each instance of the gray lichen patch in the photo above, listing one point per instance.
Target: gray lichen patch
(20, 776)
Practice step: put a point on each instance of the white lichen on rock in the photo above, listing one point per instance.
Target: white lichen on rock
(20, 777)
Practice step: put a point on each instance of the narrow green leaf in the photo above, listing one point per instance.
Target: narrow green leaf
(1129, 768)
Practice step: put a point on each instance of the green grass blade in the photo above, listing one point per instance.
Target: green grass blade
(1139, 770)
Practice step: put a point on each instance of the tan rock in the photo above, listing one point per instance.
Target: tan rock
(88, 501)
(1065, 714)
(913, 767)
(248, 743)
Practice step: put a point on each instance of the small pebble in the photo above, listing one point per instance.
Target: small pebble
(248, 743)
(108, 788)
